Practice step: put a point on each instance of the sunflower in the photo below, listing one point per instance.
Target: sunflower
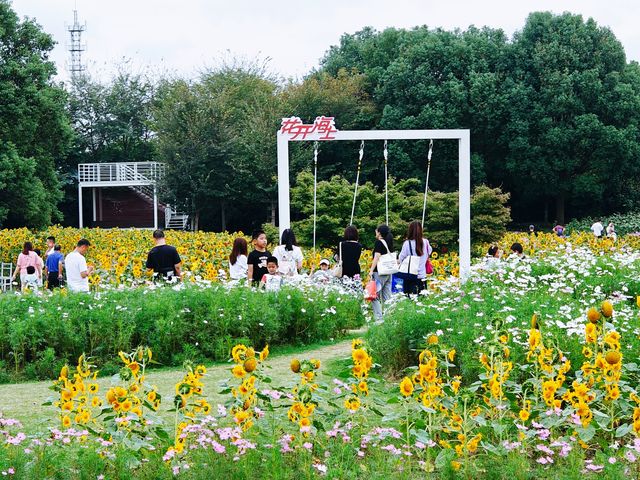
(359, 355)
(607, 309)
(593, 315)
(250, 364)
(238, 371)
(66, 421)
(264, 353)
(613, 357)
(238, 353)
(406, 387)
(295, 365)
(134, 367)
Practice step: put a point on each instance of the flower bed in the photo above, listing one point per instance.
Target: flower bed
(39, 333)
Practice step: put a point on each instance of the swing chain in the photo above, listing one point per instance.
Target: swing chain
(385, 151)
(426, 183)
(361, 152)
(315, 152)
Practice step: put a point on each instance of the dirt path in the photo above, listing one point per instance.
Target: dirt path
(24, 401)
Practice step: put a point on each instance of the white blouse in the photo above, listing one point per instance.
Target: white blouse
(238, 270)
(288, 260)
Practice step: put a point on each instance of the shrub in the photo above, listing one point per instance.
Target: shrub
(38, 333)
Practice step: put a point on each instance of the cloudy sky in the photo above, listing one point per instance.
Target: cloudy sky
(186, 36)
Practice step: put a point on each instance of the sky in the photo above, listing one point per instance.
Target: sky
(185, 37)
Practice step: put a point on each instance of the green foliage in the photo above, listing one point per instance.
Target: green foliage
(34, 129)
(553, 112)
(216, 137)
(489, 211)
(465, 315)
(37, 334)
(111, 120)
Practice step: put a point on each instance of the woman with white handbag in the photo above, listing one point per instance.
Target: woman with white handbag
(384, 265)
(413, 259)
(348, 257)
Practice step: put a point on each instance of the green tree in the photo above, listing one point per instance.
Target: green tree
(571, 133)
(34, 129)
(217, 139)
(112, 120)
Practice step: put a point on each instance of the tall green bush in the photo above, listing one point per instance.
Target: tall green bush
(489, 211)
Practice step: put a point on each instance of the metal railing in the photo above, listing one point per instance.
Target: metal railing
(120, 172)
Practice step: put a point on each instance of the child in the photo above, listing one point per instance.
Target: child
(31, 279)
(324, 275)
(271, 281)
(257, 260)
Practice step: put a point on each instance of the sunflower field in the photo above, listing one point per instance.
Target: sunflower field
(528, 369)
(119, 256)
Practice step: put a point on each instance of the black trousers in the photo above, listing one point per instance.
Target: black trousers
(413, 286)
(52, 280)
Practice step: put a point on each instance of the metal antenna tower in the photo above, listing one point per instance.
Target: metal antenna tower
(76, 47)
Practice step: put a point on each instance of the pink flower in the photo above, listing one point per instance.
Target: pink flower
(592, 467)
(307, 445)
(612, 460)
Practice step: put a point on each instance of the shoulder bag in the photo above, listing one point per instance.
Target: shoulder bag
(337, 270)
(387, 263)
(409, 266)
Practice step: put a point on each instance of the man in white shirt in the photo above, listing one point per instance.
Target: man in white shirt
(597, 228)
(76, 267)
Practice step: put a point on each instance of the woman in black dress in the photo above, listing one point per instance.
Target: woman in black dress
(349, 252)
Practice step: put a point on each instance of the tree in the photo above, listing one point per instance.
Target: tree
(216, 137)
(550, 111)
(570, 133)
(112, 121)
(34, 129)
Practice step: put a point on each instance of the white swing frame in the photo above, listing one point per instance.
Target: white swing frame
(464, 174)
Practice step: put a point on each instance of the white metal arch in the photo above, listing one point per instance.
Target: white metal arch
(464, 173)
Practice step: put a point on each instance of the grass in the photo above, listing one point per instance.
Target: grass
(24, 401)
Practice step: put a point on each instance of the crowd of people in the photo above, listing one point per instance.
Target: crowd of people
(260, 267)
(270, 271)
(32, 268)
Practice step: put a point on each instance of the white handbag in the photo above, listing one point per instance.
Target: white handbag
(410, 264)
(337, 270)
(387, 263)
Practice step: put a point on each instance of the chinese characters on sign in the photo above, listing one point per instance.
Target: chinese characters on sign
(323, 126)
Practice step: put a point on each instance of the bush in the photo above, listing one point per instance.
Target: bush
(37, 334)
(489, 212)
(558, 286)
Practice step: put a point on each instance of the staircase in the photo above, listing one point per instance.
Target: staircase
(175, 220)
(141, 177)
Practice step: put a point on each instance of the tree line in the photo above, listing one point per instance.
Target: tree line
(553, 112)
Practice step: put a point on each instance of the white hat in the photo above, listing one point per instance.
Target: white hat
(324, 260)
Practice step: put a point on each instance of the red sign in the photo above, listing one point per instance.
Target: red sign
(322, 125)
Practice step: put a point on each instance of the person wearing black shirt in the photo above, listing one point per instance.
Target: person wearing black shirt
(257, 259)
(350, 250)
(163, 259)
